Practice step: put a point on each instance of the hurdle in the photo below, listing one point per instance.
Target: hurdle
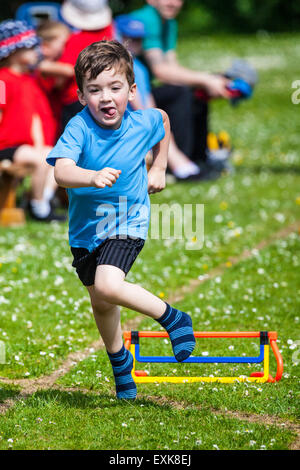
(266, 339)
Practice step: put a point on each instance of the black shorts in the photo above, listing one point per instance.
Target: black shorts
(119, 252)
(8, 154)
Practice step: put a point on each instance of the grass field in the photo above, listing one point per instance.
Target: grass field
(56, 386)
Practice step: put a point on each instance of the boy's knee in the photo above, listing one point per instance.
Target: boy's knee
(29, 155)
(107, 288)
(100, 307)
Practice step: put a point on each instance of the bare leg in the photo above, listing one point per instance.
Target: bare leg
(176, 157)
(29, 155)
(43, 184)
(111, 290)
(50, 183)
(178, 162)
(107, 317)
(111, 286)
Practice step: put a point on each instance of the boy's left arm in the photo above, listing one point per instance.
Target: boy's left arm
(157, 172)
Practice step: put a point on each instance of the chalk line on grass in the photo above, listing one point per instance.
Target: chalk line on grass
(266, 420)
(30, 386)
(219, 270)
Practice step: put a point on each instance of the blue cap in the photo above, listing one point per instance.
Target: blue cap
(128, 26)
(14, 35)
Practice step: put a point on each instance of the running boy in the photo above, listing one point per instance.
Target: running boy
(100, 159)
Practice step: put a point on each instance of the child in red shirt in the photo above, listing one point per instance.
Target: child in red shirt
(27, 128)
(93, 19)
(52, 74)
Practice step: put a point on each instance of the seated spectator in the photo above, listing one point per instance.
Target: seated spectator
(131, 32)
(93, 19)
(27, 125)
(176, 95)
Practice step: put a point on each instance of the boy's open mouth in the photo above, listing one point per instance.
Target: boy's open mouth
(108, 111)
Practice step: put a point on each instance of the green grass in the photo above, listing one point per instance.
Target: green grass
(49, 420)
(8, 391)
(45, 312)
(55, 317)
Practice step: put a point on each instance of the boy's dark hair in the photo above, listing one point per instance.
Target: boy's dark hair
(103, 55)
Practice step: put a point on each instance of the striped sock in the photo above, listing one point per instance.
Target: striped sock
(179, 327)
(122, 364)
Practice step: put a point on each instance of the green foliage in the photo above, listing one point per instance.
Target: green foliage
(254, 14)
(237, 15)
(214, 15)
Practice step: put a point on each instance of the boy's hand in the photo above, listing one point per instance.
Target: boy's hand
(105, 177)
(156, 180)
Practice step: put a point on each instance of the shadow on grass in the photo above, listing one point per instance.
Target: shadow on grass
(7, 392)
(88, 400)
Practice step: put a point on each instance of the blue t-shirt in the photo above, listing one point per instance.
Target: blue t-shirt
(124, 209)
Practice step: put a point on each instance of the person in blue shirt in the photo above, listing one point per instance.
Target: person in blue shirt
(131, 33)
(100, 159)
(175, 85)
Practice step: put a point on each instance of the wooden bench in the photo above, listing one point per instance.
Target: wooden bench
(10, 176)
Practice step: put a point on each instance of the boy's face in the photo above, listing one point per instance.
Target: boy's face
(168, 9)
(24, 58)
(53, 48)
(107, 96)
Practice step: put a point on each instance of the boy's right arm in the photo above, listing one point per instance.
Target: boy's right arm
(57, 69)
(171, 72)
(68, 175)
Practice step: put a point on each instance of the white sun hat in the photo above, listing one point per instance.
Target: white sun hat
(88, 15)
